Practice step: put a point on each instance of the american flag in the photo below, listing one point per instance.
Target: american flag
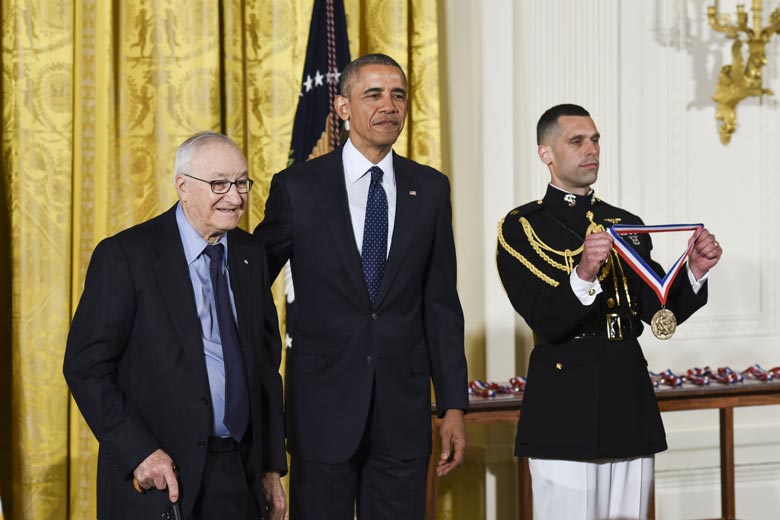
(317, 129)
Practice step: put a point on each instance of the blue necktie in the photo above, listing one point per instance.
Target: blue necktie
(236, 395)
(374, 252)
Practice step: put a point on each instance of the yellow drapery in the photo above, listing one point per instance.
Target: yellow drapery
(95, 98)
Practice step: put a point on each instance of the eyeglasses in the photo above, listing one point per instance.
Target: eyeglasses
(222, 186)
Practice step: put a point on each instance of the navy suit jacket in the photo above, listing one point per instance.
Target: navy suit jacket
(344, 350)
(135, 364)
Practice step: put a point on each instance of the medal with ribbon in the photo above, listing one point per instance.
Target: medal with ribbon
(664, 322)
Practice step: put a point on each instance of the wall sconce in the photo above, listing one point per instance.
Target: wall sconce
(741, 80)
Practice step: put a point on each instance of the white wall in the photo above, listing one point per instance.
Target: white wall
(646, 71)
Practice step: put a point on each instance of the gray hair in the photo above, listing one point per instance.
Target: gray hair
(186, 150)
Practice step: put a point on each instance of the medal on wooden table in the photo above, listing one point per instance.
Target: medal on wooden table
(663, 324)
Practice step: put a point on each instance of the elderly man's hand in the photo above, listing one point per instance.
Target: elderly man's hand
(274, 496)
(158, 471)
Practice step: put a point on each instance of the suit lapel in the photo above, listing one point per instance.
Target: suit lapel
(406, 211)
(335, 208)
(173, 278)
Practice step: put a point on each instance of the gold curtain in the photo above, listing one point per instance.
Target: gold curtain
(95, 98)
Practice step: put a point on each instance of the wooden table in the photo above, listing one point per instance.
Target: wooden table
(725, 398)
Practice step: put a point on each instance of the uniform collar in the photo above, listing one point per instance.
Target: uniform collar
(566, 201)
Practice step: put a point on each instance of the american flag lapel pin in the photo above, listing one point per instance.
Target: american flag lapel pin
(413, 193)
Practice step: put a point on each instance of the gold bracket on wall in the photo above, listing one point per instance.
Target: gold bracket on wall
(741, 80)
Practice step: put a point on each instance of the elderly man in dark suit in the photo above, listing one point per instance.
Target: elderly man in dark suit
(369, 237)
(173, 354)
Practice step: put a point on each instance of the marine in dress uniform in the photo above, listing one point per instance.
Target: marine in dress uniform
(589, 397)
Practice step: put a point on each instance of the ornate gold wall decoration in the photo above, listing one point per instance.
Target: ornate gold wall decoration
(741, 79)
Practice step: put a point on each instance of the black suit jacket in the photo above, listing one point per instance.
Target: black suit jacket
(587, 397)
(135, 363)
(343, 349)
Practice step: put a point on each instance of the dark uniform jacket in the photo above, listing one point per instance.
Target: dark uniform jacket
(588, 395)
(135, 364)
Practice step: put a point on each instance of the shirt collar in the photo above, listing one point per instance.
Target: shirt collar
(192, 241)
(356, 165)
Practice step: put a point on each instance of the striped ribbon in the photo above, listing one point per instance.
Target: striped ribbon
(660, 285)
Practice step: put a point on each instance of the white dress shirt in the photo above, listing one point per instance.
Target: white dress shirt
(356, 168)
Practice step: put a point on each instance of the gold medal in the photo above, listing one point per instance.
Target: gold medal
(663, 324)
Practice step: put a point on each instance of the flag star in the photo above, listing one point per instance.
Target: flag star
(307, 83)
(331, 77)
(336, 75)
(318, 79)
(287, 341)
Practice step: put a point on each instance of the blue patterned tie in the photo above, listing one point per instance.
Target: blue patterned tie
(236, 395)
(374, 252)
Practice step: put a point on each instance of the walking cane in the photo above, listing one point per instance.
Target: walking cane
(175, 511)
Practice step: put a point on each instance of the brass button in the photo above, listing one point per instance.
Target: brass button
(559, 366)
(592, 291)
(610, 302)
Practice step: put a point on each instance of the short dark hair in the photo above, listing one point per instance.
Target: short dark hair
(352, 69)
(549, 120)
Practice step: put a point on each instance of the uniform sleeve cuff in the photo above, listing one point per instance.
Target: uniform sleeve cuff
(585, 292)
(696, 284)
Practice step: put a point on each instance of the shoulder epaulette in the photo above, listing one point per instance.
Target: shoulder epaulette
(526, 209)
(515, 218)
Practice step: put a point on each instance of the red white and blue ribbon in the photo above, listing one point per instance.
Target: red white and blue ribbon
(482, 388)
(660, 285)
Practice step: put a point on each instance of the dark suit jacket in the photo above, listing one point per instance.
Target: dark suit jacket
(587, 397)
(135, 363)
(343, 349)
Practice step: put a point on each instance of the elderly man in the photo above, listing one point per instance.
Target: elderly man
(369, 237)
(172, 357)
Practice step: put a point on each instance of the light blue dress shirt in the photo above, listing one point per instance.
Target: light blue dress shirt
(198, 264)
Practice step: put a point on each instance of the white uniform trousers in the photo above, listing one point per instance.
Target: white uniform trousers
(594, 490)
